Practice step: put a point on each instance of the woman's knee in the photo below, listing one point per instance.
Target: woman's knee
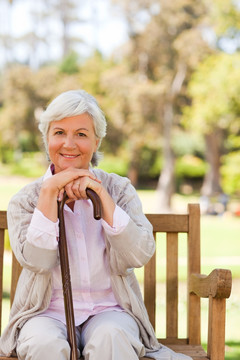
(117, 334)
(100, 327)
(43, 348)
(42, 343)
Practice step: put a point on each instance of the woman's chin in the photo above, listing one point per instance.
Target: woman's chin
(68, 165)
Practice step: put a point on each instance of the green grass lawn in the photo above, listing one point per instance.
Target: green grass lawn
(232, 350)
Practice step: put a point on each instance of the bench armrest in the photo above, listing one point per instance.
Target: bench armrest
(217, 284)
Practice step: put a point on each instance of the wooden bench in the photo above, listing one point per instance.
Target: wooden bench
(216, 287)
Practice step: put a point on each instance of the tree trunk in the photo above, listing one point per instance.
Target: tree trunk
(166, 180)
(133, 170)
(212, 180)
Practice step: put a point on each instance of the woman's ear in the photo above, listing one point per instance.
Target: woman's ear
(97, 144)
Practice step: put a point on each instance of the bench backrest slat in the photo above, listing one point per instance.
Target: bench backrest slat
(150, 287)
(172, 285)
(169, 222)
(194, 266)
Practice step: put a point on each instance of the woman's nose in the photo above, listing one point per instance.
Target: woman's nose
(69, 142)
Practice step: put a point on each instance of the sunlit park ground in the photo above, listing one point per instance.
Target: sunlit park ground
(219, 247)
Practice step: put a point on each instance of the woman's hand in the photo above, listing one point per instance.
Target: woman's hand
(63, 180)
(74, 182)
(76, 190)
(53, 188)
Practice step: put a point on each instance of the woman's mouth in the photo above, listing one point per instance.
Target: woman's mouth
(68, 156)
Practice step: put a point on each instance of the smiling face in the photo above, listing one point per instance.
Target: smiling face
(72, 142)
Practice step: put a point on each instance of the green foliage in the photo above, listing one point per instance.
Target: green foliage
(188, 143)
(30, 165)
(215, 112)
(6, 155)
(224, 15)
(230, 173)
(69, 64)
(214, 89)
(90, 75)
(150, 163)
(114, 164)
(189, 166)
(25, 93)
(26, 168)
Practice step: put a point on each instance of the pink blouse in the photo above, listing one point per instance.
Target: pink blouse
(91, 287)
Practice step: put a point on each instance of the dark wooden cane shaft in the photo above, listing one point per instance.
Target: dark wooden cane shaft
(65, 270)
(66, 283)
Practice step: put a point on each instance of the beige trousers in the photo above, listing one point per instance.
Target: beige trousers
(110, 335)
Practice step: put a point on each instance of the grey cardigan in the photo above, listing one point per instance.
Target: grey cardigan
(132, 248)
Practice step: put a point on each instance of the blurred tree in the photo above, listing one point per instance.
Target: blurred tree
(163, 55)
(91, 72)
(225, 20)
(49, 29)
(67, 12)
(70, 64)
(144, 90)
(24, 93)
(214, 90)
(230, 171)
(17, 111)
(6, 41)
(132, 108)
(91, 75)
(215, 112)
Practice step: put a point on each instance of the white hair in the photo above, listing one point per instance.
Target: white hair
(73, 103)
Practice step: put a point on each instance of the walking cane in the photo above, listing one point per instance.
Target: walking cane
(65, 270)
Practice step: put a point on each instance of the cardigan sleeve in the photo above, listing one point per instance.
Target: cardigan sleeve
(120, 221)
(134, 245)
(19, 215)
(43, 232)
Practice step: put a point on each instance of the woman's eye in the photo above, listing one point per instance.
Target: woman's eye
(80, 134)
(59, 132)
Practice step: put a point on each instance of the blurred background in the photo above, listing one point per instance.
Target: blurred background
(167, 75)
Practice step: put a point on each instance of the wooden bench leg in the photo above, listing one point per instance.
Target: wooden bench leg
(216, 330)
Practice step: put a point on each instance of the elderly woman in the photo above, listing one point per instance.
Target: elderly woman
(110, 317)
